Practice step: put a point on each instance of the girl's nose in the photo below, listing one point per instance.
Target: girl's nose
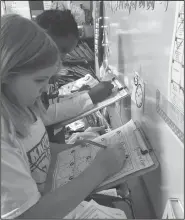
(45, 88)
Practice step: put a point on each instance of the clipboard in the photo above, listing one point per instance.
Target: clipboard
(139, 164)
(137, 173)
(115, 97)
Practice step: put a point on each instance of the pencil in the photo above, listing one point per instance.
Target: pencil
(94, 74)
(95, 144)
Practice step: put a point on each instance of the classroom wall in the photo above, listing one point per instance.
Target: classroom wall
(141, 41)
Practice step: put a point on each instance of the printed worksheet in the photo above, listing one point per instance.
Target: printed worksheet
(87, 80)
(79, 209)
(93, 210)
(72, 162)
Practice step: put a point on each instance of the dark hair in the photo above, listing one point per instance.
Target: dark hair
(58, 23)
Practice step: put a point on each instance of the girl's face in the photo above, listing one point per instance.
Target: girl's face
(27, 88)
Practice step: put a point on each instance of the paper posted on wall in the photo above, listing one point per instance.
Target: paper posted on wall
(92, 210)
(71, 163)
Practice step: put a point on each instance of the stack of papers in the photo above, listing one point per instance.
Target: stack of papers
(92, 210)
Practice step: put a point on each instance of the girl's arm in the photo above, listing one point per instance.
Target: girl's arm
(63, 200)
(55, 150)
(19, 194)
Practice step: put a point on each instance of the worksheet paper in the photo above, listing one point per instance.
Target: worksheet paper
(72, 162)
(95, 211)
(92, 210)
(84, 206)
(87, 80)
(79, 209)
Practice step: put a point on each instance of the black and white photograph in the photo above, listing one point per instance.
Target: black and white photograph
(92, 109)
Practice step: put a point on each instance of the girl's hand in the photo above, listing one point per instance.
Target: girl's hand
(112, 159)
(101, 91)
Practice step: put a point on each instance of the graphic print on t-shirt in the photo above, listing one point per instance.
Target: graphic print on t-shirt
(39, 159)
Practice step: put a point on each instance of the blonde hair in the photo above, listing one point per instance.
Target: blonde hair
(25, 48)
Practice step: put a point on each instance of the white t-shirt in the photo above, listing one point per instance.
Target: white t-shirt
(25, 162)
(24, 167)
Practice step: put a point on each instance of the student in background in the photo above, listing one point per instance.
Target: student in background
(62, 28)
(29, 57)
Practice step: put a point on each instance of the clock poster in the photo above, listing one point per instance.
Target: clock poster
(138, 91)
